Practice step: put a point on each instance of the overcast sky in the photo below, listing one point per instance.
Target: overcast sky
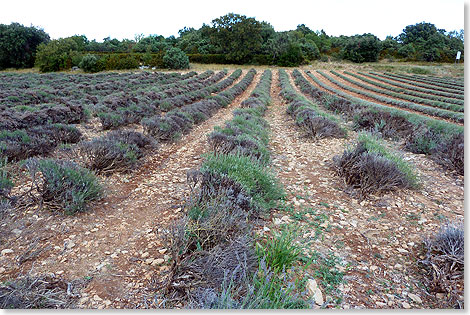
(124, 19)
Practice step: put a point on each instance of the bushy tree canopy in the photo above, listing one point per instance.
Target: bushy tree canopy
(362, 48)
(424, 42)
(56, 55)
(18, 45)
(237, 36)
(232, 38)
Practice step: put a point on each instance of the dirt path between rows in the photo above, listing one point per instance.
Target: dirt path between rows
(117, 246)
(360, 96)
(376, 239)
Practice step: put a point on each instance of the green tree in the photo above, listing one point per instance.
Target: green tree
(237, 36)
(18, 45)
(193, 41)
(56, 55)
(155, 43)
(309, 49)
(362, 48)
(407, 51)
(292, 57)
(390, 47)
(425, 42)
(304, 29)
(418, 33)
(320, 39)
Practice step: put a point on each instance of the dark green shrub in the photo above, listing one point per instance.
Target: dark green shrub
(64, 185)
(56, 55)
(176, 59)
(362, 48)
(262, 60)
(90, 63)
(292, 57)
(122, 62)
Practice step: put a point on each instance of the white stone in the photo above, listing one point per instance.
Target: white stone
(318, 297)
(312, 286)
(315, 291)
(7, 251)
(415, 298)
(440, 295)
(158, 261)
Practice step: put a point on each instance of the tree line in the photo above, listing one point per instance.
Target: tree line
(231, 38)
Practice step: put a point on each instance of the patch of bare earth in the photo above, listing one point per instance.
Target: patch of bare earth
(378, 239)
(118, 243)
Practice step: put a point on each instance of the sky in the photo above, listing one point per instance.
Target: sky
(124, 19)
